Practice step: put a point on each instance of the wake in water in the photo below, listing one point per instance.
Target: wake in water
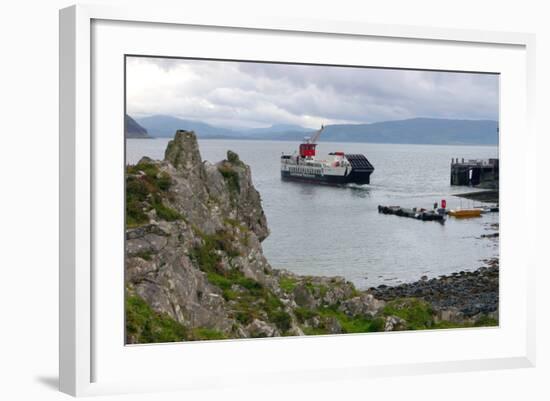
(359, 187)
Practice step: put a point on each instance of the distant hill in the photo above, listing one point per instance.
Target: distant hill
(417, 131)
(413, 131)
(166, 126)
(133, 129)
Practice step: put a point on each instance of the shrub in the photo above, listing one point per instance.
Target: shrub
(377, 324)
(233, 158)
(164, 181)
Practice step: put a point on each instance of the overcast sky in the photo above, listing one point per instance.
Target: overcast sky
(241, 94)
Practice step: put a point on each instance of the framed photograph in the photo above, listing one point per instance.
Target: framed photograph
(237, 194)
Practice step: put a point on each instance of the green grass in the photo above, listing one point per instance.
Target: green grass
(349, 324)
(165, 212)
(206, 255)
(144, 325)
(316, 289)
(314, 331)
(377, 324)
(203, 333)
(150, 169)
(288, 284)
(486, 321)
(482, 322)
(258, 302)
(136, 194)
(416, 312)
(303, 314)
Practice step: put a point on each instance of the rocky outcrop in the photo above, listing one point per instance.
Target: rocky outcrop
(195, 267)
(195, 243)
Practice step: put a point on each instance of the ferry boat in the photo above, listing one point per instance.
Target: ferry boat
(339, 168)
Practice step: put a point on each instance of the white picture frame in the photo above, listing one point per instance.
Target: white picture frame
(88, 358)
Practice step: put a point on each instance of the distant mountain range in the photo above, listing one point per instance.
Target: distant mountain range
(166, 126)
(413, 131)
(133, 129)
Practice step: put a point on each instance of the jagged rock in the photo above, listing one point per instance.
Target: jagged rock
(304, 297)
(362, 305)
(451, 315)
(148, 243)
(332, 325)
(314, 322)
(222, 217)
(183, 152)
(140, 232)
(336, 289)
(259, 328)
(233, 158)
(394, 323)
(295, 330)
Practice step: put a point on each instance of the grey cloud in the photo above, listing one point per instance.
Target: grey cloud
(261, 94)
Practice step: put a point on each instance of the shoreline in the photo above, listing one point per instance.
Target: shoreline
(487, 195)
(457, 297)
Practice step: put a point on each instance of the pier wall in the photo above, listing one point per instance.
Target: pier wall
(477, 173)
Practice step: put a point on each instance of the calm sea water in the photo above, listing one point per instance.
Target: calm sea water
(321, 230)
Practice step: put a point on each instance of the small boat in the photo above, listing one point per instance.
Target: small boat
(465, 213)
(415, 213)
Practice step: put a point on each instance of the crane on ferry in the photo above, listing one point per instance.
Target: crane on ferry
(307, 148)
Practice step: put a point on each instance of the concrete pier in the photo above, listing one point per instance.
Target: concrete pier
(474, 173)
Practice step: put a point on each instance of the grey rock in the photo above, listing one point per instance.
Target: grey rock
(469, 293)
(394, 323)
(332, 325)
(259, 328)
(362, 305)
(183, 152)
(304, 298)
